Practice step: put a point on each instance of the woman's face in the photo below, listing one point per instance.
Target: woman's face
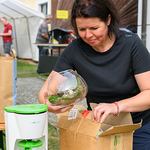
(93, 31)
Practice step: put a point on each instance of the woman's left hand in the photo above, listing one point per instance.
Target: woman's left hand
(102, 110)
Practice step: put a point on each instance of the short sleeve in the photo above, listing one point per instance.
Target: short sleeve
(9, 27)
(140, 56)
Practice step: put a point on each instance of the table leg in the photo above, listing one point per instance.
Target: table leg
(59, 51)
(51, 52)
(1, 141)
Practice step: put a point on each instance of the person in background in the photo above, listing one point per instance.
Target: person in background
(43, 37)
(7, 32)
(114, 63)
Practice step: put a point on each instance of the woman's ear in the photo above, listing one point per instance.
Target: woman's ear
(109, 20)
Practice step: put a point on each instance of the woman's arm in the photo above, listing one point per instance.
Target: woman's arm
(43, 98)
(138, 103)
(141, 101)
(44, 89)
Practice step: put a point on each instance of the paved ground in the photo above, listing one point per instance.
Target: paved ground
(27, 93)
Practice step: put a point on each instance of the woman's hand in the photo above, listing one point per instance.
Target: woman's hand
(102, 110)
(55, 109)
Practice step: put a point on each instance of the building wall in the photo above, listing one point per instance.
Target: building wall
(148, 26)
(139, 27)
(35, 4)
(30, 3)
(39, 2)
(128, 10)
(61, 5)
(140, 24)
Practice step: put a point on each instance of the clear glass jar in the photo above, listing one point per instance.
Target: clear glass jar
(66, 88)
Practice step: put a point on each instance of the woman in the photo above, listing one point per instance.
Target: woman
(114, 63)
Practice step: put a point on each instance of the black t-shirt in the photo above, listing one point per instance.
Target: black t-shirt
(109, 75)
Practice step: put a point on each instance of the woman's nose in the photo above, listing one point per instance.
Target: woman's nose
(88, 34)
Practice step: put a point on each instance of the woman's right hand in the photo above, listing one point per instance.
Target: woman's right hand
(55, 109)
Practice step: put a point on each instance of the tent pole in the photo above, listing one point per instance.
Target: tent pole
(29, 36)
(16, 39)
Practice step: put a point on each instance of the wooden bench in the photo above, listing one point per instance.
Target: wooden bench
(2, 127)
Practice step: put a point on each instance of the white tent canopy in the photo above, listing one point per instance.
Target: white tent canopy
(25, 22)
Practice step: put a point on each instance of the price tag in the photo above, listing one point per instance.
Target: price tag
(72, 114)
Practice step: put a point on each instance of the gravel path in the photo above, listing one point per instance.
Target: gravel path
(27, 93)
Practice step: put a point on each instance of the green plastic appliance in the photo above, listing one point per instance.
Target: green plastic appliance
(26, 127)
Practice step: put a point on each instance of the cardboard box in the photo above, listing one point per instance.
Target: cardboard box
(78, 132)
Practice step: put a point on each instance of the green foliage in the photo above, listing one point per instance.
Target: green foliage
(24, 70)
(53, 138)
(53, 98)
(25, 67)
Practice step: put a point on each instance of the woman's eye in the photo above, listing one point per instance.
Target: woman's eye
(81, 29)
(94, 28)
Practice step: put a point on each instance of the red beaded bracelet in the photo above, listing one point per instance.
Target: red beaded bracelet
(117, 109)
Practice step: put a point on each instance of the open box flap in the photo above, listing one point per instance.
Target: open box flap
(85, 125)
(122, 119)
(121, 129)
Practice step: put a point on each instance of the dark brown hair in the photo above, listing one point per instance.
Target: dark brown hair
(96, 8)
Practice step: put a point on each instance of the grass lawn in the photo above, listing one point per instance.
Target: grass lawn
(25, 69)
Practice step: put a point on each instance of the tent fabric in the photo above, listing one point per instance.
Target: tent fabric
(25, 22)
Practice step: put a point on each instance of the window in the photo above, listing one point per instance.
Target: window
(44, 8)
